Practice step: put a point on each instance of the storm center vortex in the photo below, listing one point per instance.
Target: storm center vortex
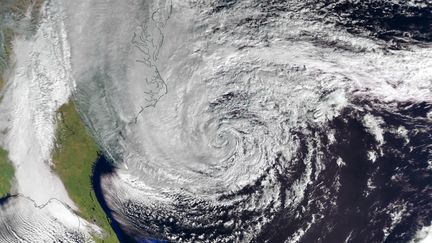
(227, 120)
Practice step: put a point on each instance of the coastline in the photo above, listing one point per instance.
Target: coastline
(102, 167)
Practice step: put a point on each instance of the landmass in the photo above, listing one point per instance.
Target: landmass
(6, 173)
(74, 158)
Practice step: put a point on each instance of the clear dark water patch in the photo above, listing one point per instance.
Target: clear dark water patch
(103, 168)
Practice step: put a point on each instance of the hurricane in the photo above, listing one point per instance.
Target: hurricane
(250, 121)
(258, 121)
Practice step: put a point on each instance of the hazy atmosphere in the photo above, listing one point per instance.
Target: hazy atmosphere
(215, 121)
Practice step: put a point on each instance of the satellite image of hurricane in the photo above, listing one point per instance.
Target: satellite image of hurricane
(264, 121)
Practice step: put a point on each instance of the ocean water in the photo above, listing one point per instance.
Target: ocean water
(240, 121)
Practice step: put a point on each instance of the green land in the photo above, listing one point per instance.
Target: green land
(6, 173)
(75, 152)
(5, 52)
(74, 157)
(7, 170)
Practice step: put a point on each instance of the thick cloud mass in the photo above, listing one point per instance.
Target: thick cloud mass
(259, 120)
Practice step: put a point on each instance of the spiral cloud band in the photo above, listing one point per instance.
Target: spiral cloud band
(240, 121)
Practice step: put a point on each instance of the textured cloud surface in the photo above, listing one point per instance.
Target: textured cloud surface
(231, 121)
(239, 120)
